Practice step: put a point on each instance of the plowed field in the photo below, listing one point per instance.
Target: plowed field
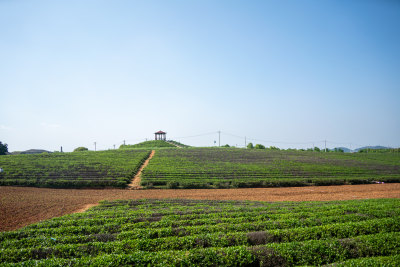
(20, 206)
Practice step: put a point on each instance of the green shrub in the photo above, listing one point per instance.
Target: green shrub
(81, 148)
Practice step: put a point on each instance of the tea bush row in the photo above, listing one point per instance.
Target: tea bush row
(72, 170)
(189, 232)
(241, 168)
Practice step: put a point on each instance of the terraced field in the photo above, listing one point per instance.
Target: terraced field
(232, 168)
(212, 233)
(114, 168)
(177, 168)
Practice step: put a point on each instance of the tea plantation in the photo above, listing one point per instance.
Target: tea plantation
(212, 233)
(231, 168)
(114, 168)
(198, 168)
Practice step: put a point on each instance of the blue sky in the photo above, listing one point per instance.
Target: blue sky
(293, 73)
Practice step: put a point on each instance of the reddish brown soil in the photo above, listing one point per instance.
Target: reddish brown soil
(20, 206)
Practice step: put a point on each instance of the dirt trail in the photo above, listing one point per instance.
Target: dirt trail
(135, 183)
(174, 144)
(20, 206)
(85, 208)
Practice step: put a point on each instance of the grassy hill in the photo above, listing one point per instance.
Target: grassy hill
(227, 168)
(149, 144)
(212, 233)
(114, 168)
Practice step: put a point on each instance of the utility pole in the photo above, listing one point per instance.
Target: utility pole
(94, 146)
(124, 142)
(325, 145)
(219, 138)
(245, 142)
(114, 147)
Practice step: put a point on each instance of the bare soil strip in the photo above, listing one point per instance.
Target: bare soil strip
(173, 144)
(85, 208)
(135, 183)
(20, 206)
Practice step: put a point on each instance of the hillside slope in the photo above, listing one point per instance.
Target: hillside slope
(149, 144)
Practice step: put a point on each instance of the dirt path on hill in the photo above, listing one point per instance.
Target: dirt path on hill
(174, 144)
(20, 206)
(135, 183)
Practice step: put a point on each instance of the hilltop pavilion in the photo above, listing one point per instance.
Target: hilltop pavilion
(160, 135)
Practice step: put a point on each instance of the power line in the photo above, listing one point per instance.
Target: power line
(287, 143)
(197, 135)
(248, 139)
(233, 135)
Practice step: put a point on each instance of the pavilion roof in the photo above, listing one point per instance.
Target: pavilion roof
(160, 132)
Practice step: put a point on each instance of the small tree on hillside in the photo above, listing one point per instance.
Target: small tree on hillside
(259, 146)
(250, 146)
(3, 148)
(81, 148)
(317, 149)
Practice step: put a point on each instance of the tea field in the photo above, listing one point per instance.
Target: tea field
(233, 168)
(114, 168)
(176, 232)
(177, 168)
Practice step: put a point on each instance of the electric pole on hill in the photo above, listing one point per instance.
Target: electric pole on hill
(325, 145)
(245, 143)
(219, 138)
(114, 147)
(94, 146)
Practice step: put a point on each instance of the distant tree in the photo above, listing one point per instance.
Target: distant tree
(3, 148)
(339, 150)
(274, 148)
(226, 145)
(259, 146)
(81, 148)
(317, 149)
(309, 149)
(250, 146)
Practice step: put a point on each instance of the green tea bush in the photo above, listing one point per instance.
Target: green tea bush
(181, 232)
(86, 169)
(241, 168)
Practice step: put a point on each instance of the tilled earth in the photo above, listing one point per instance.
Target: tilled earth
(20, 206)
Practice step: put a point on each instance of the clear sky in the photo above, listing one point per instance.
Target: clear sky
(289, 72)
